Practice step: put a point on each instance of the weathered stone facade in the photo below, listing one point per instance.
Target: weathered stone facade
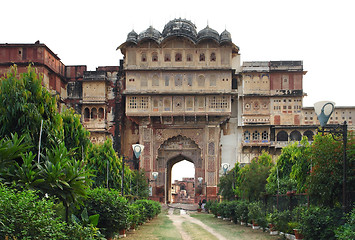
(178, 93)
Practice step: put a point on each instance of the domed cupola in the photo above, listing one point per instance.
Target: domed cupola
(180, 27)
(132, 37)
(225, 37)
(208, 33)
(150, 33)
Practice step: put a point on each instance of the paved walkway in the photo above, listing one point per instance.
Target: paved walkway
(185, 217)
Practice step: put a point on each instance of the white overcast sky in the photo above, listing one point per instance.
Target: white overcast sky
(85, 32)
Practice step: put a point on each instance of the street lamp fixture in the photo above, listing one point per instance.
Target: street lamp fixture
(201, 183)
(137, 150)
(155, 177)
(225, 167)
(339, 132)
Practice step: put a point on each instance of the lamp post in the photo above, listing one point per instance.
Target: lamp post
(323, 110)
(155, 177)
(137, 149)
(200, 181)
(225, 167)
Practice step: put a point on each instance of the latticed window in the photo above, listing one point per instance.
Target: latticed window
(256, 135)
(138, 102)
(132, 102)
(265, 135)
(246, 136)
(143, 103)
(218, 102)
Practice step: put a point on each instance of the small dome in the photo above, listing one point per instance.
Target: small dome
(208, 33)
(180, 27)
(225, 37)
(132, 37)
(150, 33)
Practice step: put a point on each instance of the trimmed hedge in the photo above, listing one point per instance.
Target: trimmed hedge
(313, 222)
(24, 215)
(115, 211)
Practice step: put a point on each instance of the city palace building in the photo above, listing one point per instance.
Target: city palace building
(184, 95)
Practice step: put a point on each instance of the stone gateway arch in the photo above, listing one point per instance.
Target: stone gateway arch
(178, 96)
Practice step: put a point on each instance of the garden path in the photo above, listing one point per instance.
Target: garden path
(185, 217)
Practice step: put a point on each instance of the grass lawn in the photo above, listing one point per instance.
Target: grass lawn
(196, 232)
(160, 227)
(231, 230)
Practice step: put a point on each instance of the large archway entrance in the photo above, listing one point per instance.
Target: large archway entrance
(172, 151)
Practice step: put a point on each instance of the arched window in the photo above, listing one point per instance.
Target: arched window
(154, 57)
(178, 57)
(213, 57)
(282, 136)
(93, 113)
(309, 134)
(256, 135)
(202, 57)
(101, 113)
(144, 57)
(167, 57)
(201, 81)
(189, 57)
(295, 136)
(247, 136)
(86, 114)
(155, 81)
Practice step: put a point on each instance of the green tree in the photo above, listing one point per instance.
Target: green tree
(102, 157)
(326, 178)
(252, 181)
(24, 103)
(64, 177)
(75, 135)
(139, 184)
(291, 169)
(228, 183)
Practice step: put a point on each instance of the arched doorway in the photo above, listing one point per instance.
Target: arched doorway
(295, 136)
(282, 136)
(172, 151)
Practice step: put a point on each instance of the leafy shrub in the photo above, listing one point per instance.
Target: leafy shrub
(320, 222)
(134, 215)
(280, 220)
(347, 231)
(112, 208)
(231, 209)
(241, 210)
(23, 215)
(255, 211)
(75, 231)
(214, 208)
(223, 209)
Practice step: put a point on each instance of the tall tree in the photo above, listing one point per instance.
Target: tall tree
(253, 177)
(24, 103)
(291, 169)
(325, 183)
(75, 135)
